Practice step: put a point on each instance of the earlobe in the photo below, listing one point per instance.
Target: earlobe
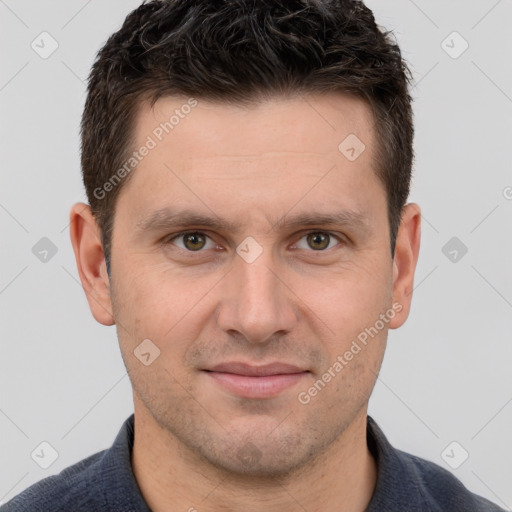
(404, 262)
(90, 260)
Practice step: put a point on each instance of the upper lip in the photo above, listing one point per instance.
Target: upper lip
(239, 368)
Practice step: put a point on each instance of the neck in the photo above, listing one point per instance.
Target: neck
(171, 477)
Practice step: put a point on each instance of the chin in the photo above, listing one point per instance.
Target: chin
(259, 455)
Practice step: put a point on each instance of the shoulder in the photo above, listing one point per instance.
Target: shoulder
(77, 487)
(102, 481)
(409, 483)
(441, 489)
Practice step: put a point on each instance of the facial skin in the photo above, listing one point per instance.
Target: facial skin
(196, 443)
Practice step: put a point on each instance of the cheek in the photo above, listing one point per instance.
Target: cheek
(163, 306)
(347, 299)
(146, 296)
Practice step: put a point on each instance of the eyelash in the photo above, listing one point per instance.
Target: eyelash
(169, 240)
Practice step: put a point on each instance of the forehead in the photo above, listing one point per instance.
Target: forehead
(257, 156)
(314, 124)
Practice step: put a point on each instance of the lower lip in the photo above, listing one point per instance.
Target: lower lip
(256, 387)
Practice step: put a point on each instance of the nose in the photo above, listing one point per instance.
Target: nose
(257, 303)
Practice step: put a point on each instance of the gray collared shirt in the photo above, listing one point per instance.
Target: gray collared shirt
(105, 482)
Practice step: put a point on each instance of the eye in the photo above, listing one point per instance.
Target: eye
(192, 241)
(317, 240)
(196, 241)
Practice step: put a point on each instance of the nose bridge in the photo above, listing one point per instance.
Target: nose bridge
(258, 304)
(258, 286)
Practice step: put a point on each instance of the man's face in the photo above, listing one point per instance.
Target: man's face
(264, 289)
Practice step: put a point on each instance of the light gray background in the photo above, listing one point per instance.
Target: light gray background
(446, 375)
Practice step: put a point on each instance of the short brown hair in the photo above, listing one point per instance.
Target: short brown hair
(239, 51)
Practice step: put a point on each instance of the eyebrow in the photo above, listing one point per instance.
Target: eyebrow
(168, 218)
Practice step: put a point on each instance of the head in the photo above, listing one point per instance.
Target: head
(238, 53)
(258, 120)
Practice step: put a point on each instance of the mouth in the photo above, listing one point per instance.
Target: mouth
(250, 381)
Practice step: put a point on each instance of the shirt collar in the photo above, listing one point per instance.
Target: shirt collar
(121, 491)
(393, 472)
(119, 486)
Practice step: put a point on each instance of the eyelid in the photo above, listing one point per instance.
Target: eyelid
(168, 239)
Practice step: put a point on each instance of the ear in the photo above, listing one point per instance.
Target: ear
(407, 249)
(90, 261)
